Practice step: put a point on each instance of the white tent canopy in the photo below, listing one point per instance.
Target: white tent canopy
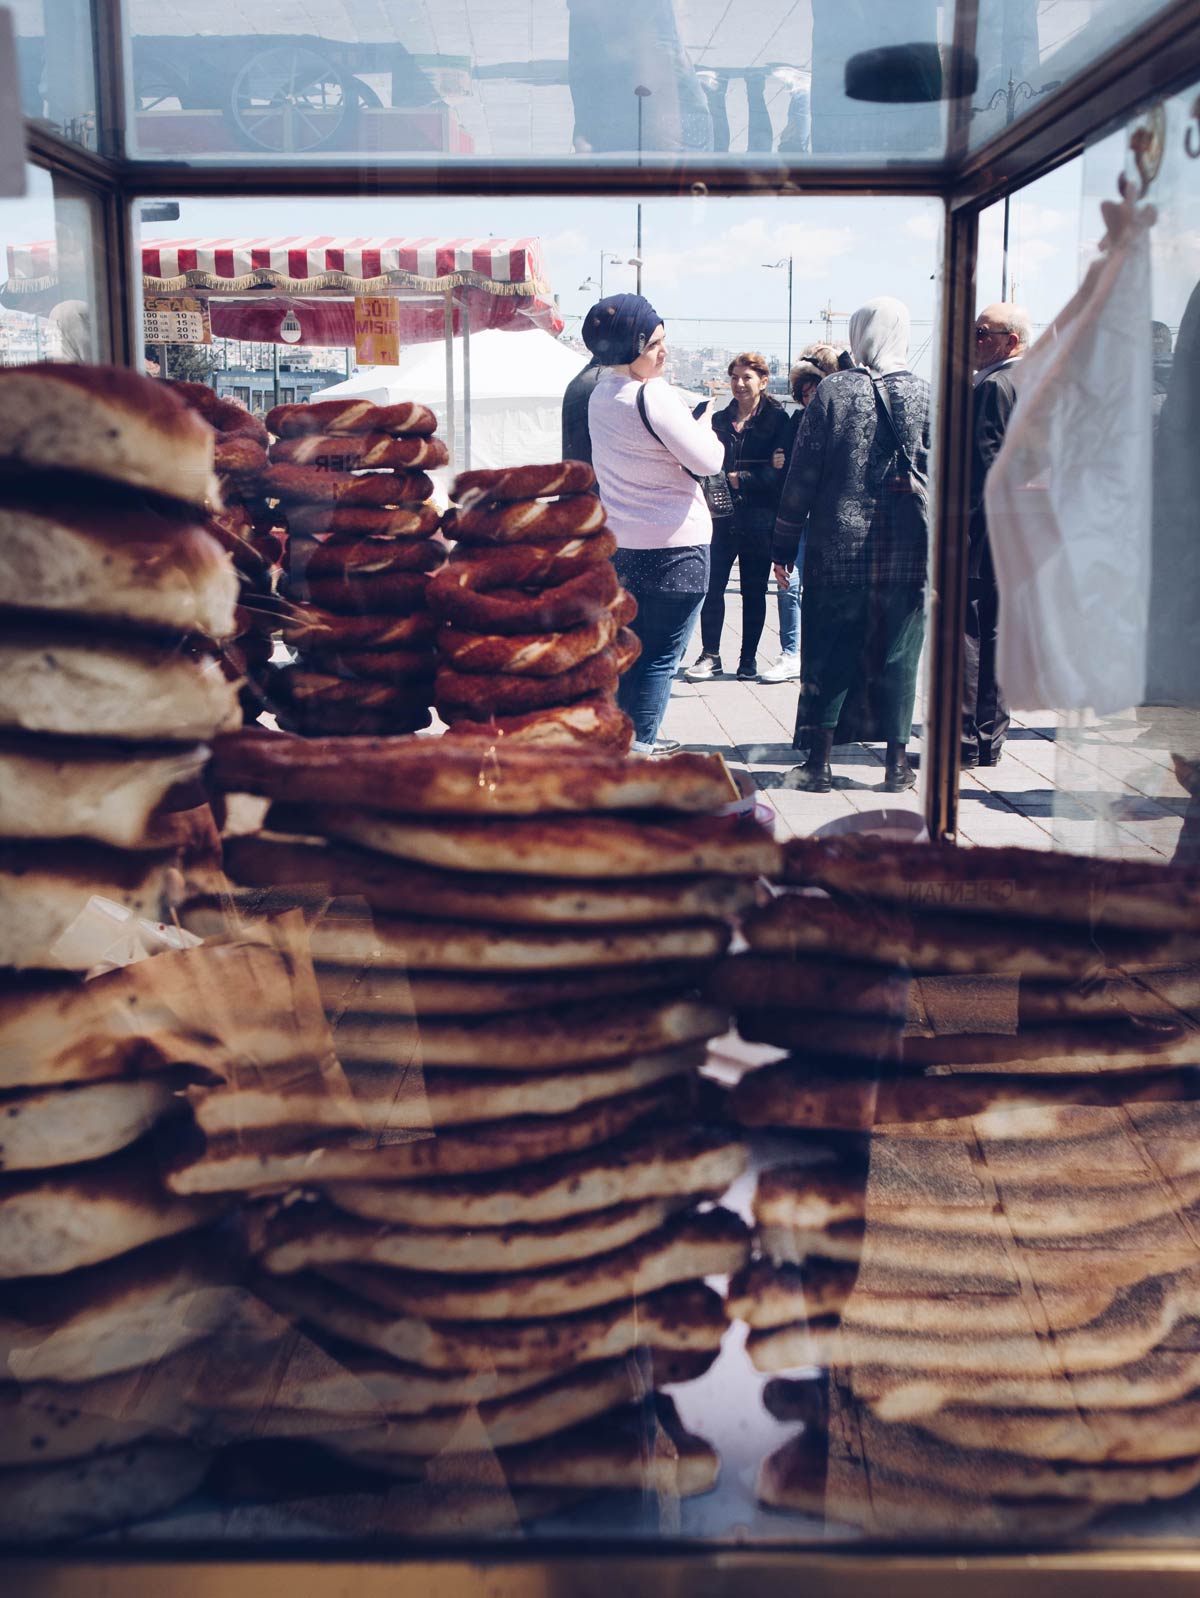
(514, 390)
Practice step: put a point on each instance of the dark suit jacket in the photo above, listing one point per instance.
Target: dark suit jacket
(576, 439)
(993, 404)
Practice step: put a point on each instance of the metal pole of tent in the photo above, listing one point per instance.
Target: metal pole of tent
(450, 419)
(466, 337)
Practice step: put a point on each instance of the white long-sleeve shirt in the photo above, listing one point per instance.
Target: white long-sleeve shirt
(650, 500)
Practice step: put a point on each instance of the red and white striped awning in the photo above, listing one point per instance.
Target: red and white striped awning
(359, 265)
(252, 282)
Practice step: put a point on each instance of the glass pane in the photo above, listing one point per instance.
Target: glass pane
(52, 306)
(1026, 48)
(538, 79)
(56, 66)
(1124, 782)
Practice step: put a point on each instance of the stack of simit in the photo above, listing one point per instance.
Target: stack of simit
(498, 1235)
(109, 683)
(248, 527)
(535, 626)
(351, 478)
(994, 1255)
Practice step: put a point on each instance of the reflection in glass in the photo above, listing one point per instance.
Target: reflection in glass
(1042, 42)
(50, 300)
(548, 79)
(58, 84)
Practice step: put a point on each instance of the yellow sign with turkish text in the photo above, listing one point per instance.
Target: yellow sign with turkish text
(377, 330)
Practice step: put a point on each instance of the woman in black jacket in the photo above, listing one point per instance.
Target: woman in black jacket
(756, 433)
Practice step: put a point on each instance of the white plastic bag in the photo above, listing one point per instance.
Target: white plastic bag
(1069, 495)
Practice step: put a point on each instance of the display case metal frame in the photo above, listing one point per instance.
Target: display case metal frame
(1160, 58)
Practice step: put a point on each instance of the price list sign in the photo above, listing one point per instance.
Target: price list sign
(178, 320)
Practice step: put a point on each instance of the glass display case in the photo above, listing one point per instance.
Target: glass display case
(483, 1256)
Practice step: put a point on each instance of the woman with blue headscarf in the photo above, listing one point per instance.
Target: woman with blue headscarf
(647, 451)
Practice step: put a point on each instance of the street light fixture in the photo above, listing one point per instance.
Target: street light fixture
(610, 257)
(643, 94)
(773, 266)
(1008, 97)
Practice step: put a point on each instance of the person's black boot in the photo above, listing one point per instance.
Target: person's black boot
(816, 774)
(898, 775)
(747, 670)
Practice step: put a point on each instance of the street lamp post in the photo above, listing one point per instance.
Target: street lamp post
(1008, 97)
(773, 266)
(642, 93)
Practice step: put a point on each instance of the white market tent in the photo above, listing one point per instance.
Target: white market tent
(509, 398)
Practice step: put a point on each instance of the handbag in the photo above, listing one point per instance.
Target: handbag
(714, 487)
(910, 479)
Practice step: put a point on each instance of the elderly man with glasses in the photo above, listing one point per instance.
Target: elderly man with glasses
(1002, 334)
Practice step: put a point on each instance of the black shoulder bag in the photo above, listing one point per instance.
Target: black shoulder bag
(714, 487)
(910, 479)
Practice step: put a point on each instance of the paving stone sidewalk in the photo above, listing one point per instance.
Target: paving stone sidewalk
(1093, 786)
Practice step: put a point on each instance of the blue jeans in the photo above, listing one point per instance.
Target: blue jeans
(788, 600)
(663, 625)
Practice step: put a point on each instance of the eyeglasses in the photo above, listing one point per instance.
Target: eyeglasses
(987, 332)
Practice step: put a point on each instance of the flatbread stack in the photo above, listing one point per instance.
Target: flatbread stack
(503, 1235)
(251, 528)
(991, 1256)
(936, 959)
(534, 624)
(351, 479)
(116, 598)
(111, 1285)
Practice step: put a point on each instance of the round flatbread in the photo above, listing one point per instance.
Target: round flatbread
(61, 1221)
(78, 1122)
(668, 1162)
(458, 946)
(422, 776)
(585, 846)
(408, 887)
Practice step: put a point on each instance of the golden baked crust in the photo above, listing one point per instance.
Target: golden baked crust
(421, 776)
(109, 423)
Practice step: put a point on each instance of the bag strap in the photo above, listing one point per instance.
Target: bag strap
(883, 402)
(641, 405)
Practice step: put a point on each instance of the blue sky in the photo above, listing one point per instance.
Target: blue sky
(704, 258)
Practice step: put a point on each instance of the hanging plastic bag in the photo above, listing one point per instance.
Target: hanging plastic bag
(1069, 496)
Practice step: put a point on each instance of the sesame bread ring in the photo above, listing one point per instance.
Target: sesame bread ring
(505, 693)
(379, 594)
(378, 665)
(357, 451)
(454, 596)
(309, 485)
(367, 557)
(531, 521)
(627, 646)
(527, 654)
(352, 416)
(303, 687)
(308, 628)
(240, 462)
(593, 723)
(225, 415)
(521, 482)
(534, 565)
(333, 523)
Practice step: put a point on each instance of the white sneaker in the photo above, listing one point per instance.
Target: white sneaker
(785, 669)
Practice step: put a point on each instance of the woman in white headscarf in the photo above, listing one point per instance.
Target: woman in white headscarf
(863, 609)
